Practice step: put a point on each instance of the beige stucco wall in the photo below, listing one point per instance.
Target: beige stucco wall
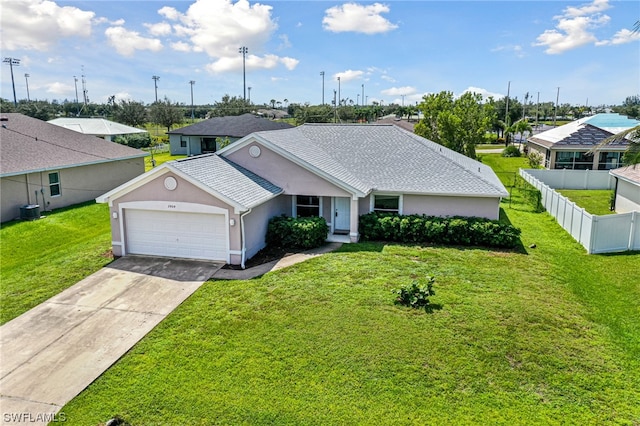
(431, 205)
(627, 197)
(77, 185)
(185, 192)
(293, 179)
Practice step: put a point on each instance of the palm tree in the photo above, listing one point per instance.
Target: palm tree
(632, 136)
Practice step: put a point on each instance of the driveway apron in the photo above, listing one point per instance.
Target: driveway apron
(49, 354)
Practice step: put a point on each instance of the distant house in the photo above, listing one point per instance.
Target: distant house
(627, 188)
(99, 127)
(201, 138)
(568, 146)
(217, 206)
(50, 166)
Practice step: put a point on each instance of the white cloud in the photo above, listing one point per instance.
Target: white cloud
(59, 89)
(516, 49)
(621, 37)
(388, 78)
(39, 24)
(399, 91)
(484, 92)
(574, 28)
(181, 46)
(159, 29)
(285, 44)
(353, 17)
(127, 42)
(348, 75)
(226, 64)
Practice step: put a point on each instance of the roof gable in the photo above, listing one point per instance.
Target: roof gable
(31, 145)
(230, 126)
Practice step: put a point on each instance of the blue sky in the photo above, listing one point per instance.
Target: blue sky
(399, 50)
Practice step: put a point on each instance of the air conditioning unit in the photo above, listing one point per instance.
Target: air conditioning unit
(30, 212)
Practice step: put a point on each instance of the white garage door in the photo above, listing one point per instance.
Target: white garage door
(176, 234)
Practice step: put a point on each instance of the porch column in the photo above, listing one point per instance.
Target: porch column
(353, 222)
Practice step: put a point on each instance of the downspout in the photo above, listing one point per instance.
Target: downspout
(242, 246)
(26, 179)
(615, 195)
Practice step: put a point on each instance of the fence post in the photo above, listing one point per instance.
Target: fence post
(632, 229)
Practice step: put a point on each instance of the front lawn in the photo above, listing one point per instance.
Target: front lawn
(160, 158)
(546, 336)
(41, 258)
(594, 201)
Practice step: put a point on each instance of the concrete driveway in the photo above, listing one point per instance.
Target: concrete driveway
(51, 353)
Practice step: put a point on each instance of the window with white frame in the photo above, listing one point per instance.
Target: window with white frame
(54, 184)
(307, 206)
(386, 203)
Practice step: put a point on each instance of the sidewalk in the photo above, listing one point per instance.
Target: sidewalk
(256, 271)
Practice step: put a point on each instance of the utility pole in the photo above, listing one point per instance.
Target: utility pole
(26, 79)
(537, 107)
(322, 74)
(339, 90)
(363, 94)
(244, 50)
(75, 81)
(155, 79)
(192, 82)
(555, 111)
(335, 108)
(12, 62)
(249, 89)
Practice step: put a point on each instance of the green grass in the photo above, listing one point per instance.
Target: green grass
(596, 202)
(163, 157)
(545, 335)
(43, 257)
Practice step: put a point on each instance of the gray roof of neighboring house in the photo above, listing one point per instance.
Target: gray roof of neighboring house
(95, 126)
(237, 126)
(628, 173)
(32, 145)
(227, 178)
(586, 132)
(386, 158)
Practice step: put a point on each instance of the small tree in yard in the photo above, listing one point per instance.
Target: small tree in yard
(166, 113)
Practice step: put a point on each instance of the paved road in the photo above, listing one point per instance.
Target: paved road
(51, 353)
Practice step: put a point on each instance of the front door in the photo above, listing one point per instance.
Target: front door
(341, 214)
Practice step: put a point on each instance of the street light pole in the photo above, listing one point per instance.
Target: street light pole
(363, 94)
(12, 62)
(26, 79)
(322, 74)
(192, 82)
(155, 84)
(244, 51)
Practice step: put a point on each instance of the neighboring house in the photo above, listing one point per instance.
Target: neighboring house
(568, 146)
(627, 188)
(50, 166)
(217, 206)
(99, 127)
(202, 137)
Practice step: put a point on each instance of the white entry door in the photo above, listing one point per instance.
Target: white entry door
(176, 234)
(341, 214)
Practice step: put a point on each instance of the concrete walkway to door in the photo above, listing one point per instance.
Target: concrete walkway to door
(51, 353)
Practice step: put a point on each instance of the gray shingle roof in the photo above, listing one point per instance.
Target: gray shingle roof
(29, 145)
(227, 178)
(95, 126)
(231, 126)
(386, 158)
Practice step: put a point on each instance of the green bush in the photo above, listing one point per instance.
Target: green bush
(415, 295)
(419, 229)
(511, 151)
(302, 232)
(136, 140)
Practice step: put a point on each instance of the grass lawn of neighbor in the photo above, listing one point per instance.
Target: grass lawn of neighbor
(531, 336)
(594, 201)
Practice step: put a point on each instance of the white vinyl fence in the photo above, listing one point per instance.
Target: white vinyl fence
(598, 234)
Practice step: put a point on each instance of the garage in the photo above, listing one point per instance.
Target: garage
(176, 234)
